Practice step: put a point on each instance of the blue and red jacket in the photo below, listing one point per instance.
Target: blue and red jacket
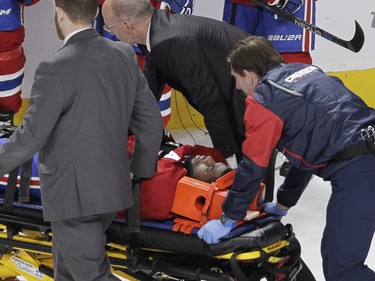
(286, 36)
(11, 13)
(307, 115)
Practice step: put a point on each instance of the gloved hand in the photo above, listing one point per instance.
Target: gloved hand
(178, 6)
(289, 6)
(273, 209)
(213, 230)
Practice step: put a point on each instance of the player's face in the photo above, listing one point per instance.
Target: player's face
(206, 169)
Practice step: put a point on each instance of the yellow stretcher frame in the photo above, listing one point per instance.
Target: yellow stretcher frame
(30, 250)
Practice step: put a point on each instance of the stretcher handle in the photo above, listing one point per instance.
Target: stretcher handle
(24, 191)
(10, 191)
(134, 212)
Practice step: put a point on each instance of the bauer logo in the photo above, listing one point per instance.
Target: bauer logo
(283, 37)
(300, 73)
(27, 268)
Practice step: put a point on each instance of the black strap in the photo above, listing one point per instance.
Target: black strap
(238, 273)
(10, 191)
(134, 212)
(364, 147)
(233, 14)
(24, 191)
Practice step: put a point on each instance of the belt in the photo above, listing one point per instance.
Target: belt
(365, 147)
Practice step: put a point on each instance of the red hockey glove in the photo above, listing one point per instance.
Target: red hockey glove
(289, 6)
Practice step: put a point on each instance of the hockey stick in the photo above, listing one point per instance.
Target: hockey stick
(354, 45)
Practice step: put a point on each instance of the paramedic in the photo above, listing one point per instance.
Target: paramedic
(292, 41)
(323, 129)
(78, 120)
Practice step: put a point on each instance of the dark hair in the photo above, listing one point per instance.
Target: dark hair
(79, 11)
(253, 53)
(189, 167)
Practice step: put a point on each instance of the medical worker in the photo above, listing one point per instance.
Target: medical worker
(323, 129)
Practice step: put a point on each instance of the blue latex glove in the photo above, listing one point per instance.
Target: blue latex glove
(213, 230)
(273, 209)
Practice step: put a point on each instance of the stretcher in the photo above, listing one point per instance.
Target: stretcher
(260, 249)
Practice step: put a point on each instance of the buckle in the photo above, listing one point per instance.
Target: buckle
(368, 134)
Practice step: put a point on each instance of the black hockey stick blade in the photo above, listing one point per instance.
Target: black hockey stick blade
(354, 44)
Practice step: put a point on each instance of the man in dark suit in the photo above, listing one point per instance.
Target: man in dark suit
(190, 54)
(84, 100)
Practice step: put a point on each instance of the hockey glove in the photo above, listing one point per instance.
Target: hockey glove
(178, 6)
(289, 6)
(213, 230)
(273, 209)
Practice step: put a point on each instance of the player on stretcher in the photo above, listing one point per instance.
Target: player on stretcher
(182, 196)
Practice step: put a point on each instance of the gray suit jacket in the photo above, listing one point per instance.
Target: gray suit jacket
(83, 102)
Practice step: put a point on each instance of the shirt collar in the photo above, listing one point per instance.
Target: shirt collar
(148, 44)
(73, 33)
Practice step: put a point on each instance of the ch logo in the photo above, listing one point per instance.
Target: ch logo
(5, 12)
(373, 20)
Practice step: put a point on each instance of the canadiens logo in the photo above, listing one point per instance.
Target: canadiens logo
(5, 12)
(300, 73)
